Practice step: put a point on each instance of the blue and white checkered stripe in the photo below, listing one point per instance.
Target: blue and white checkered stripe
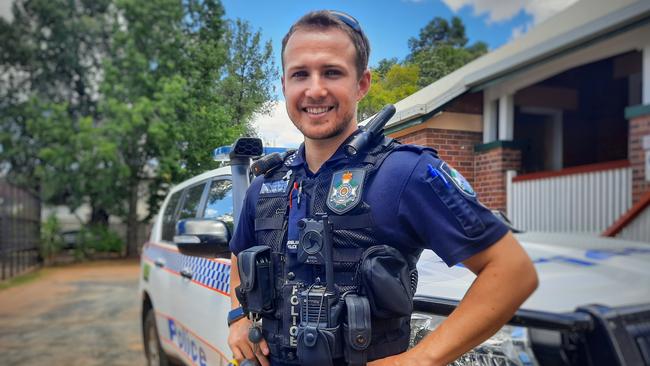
(210, 273)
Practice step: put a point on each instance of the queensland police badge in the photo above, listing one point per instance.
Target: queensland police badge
(345, 190)
(458, 180)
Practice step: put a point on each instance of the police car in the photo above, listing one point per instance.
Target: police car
(592, 306)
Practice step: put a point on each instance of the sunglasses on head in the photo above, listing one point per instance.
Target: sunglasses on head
(347, 19)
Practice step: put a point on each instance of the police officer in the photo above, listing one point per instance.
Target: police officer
(400, 195)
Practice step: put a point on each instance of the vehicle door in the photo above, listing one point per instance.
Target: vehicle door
(158, 275)
(173, 332)
(203, 295)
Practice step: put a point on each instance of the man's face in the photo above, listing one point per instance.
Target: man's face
(320, 83)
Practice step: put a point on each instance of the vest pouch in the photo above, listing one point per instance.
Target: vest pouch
(318, 346)
(386, 280)
(357, 331)
(255, 292)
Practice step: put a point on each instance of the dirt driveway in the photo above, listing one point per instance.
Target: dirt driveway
(83, 314)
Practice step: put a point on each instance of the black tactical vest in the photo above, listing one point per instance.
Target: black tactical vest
(353, 232)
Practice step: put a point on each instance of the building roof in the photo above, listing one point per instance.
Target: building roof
(582, 22)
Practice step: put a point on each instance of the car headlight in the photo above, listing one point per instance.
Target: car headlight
(509, 346)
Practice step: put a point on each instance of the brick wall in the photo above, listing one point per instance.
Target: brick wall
(639, 127)
(455, 147)
(490, 170)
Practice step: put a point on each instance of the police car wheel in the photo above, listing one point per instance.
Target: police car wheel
(155, 354)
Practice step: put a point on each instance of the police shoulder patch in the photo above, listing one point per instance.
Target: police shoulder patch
(345, 190)
(458, 179)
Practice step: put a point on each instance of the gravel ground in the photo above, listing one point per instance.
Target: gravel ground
(84, 314)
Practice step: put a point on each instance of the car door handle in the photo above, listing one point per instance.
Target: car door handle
(186, 273)
(159, 263)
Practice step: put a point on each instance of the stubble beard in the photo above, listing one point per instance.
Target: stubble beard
(335, 131)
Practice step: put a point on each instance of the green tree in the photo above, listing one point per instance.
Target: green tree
(179, 82)
(250, 71)
(51, 65)
(442, 48)
(397, 83)
(436, 62)
(383, 66)
(439, 32)
(108, 102)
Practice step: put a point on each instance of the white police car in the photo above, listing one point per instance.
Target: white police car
(592, 306)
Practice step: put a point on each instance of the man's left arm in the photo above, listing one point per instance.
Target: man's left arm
(505, 279)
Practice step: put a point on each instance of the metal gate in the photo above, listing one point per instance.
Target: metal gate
(20, 226)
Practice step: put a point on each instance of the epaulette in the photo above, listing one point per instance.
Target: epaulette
(419, 149)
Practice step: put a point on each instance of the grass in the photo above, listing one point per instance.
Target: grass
(21, 279)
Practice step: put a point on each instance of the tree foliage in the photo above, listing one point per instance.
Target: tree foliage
(436, 62)
(439, 32)
(388, 87)
(440, 48)
(51, 62)
(104, 101)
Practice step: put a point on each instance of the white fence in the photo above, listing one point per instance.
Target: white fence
(587, 202)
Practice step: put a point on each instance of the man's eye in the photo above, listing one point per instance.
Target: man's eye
(332, 73)
(299, 74)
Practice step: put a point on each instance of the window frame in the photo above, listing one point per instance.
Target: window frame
(207, 191)
(181, 202)
(174, 215)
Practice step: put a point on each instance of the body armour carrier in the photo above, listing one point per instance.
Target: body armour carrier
(298, 298)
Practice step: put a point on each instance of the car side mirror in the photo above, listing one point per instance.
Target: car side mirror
(206, 238)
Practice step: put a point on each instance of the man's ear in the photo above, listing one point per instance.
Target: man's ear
(282, 79)
(364, 84)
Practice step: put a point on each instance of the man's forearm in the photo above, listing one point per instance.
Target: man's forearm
(234, 281)
(504, 282)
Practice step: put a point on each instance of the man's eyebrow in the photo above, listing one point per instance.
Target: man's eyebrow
(304, 67)
(331, 65)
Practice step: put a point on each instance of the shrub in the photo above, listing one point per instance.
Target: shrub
(97, 239)
(51, 240)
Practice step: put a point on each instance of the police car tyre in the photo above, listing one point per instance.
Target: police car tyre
(155, 354)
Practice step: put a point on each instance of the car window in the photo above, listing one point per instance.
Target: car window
(169, 219)
(219, 204)
(191, 203)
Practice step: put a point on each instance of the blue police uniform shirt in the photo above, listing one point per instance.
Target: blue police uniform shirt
(416, 200)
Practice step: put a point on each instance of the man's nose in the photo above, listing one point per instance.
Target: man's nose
(316, 88)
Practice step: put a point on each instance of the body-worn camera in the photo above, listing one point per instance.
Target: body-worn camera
(311, 242)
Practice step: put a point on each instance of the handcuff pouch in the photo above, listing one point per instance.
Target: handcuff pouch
(357, 330)
(255, 291)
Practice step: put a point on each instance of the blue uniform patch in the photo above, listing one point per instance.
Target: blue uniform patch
(345, 190)
(458, 179)
(276, 186)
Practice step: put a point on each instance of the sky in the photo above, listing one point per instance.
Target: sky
(388, 24)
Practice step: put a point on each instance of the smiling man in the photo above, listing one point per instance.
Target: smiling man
(378, 210)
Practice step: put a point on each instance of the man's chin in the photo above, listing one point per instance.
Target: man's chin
(324, 132)
(323, 135)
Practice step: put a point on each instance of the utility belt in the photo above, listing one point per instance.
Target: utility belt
(370, 321)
